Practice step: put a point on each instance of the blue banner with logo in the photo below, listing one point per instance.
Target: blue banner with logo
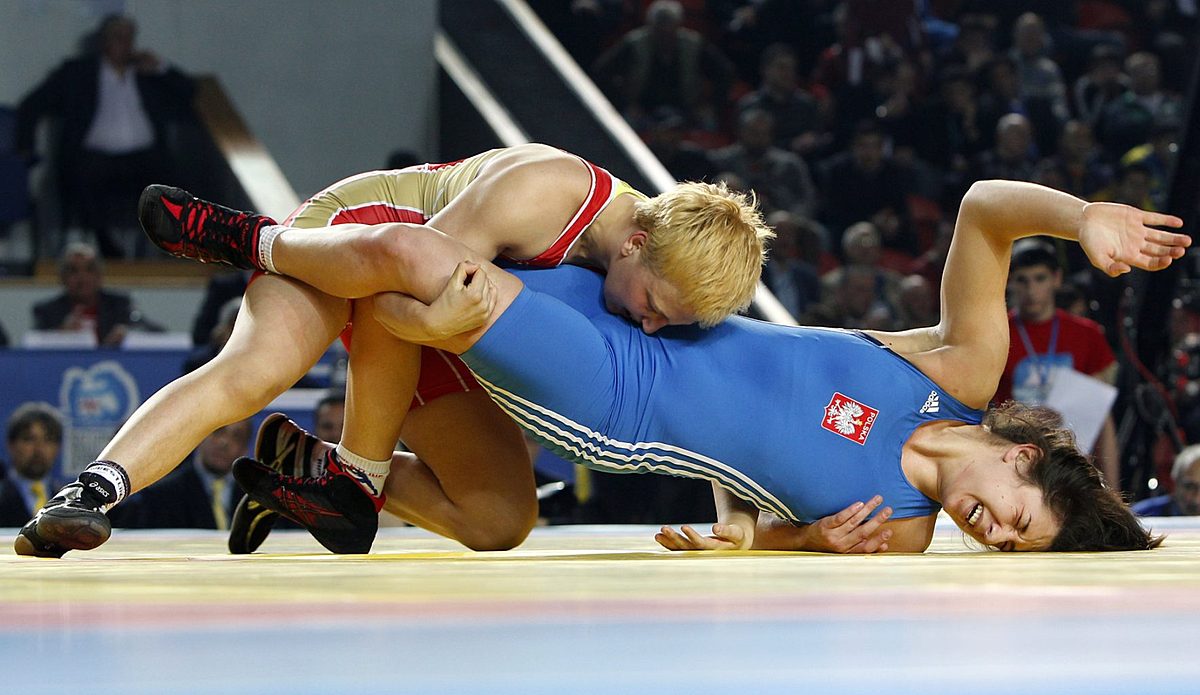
(95, 390)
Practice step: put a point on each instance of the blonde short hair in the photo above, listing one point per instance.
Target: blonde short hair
(709, 242)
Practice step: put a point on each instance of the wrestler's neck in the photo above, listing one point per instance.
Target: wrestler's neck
(938, 451)
(600, 244)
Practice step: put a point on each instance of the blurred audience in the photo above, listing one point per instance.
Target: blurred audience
(329, 416)
(779, 177)
(917, 303)
(854, 302)
(84, 305)
(1157, 157)
(1184, 499)
(954, 132)
(1042, 88)
(665, 64)
(1101, 85)
(862, 248)
(34, 438)
(200, 492)
(1014, 155)
(1128, 121)
(667, 137)
(865, 184)
(221, 288)
(217, 337)
(792, 271)
(796, 114)
(1078, 165)
(112, 107)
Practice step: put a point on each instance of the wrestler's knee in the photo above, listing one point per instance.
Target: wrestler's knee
(505, 526)
(385, 248)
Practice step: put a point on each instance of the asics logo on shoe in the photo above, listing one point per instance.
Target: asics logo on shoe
(306, 512)
(99, 490)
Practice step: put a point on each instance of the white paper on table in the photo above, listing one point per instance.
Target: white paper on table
(1084, 403)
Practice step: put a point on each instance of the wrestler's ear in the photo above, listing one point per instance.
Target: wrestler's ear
(633, 242)
(1022, 456)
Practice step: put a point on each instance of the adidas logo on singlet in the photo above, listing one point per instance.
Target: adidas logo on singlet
(931, 403)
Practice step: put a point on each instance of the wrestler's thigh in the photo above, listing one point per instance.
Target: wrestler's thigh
(476, 451)
(285, 325)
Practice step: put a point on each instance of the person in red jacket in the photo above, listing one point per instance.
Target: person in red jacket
(1044, 340)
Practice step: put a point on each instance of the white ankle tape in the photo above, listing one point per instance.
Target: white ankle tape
(266, 240)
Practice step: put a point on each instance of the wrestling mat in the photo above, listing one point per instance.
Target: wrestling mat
(597, 609)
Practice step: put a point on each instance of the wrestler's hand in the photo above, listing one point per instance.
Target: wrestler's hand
(849, 531)
(465, 303)
(725, 537)
(1117, 238)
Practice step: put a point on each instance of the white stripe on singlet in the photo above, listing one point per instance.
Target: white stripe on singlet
(610, 454)
(372, 204)
(454, 368)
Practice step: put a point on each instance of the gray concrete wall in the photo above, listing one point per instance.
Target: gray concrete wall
(330, 87)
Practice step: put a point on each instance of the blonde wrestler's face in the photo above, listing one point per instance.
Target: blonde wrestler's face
(631, 290)
(992, 503)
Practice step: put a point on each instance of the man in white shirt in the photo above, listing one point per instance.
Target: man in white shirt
(111, 106)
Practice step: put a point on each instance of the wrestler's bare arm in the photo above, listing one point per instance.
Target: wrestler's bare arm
(973, 331)
(517, 210)
(911, 341)
(519, 203)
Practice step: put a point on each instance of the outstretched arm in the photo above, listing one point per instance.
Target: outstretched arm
(848, 531)
(973, 330)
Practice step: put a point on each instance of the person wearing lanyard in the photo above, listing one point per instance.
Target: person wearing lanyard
(1044, 340)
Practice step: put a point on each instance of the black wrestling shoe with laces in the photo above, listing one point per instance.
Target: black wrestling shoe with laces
(67, 522)
(188, 227)
(284, 447)
(333, 507)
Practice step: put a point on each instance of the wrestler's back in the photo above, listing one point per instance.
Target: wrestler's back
(414, 194)
(806, 419)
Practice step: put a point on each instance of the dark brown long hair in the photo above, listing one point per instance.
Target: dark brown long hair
(1092, 515)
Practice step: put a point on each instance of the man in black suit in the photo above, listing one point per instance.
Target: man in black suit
(84, 304)
(35, 434)
(112, 108)
(199, 493)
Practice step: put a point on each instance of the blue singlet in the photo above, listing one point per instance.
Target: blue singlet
(799, 421)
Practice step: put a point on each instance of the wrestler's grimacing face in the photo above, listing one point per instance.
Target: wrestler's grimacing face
(994, 504)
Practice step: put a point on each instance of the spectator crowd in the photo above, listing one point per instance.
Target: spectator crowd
(857, 124)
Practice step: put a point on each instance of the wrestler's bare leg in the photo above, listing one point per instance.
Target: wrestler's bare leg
(370, 259)
(379, 386)
(469, 477)
(282, 329)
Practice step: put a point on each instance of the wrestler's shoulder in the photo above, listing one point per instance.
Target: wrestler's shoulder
(540, 170)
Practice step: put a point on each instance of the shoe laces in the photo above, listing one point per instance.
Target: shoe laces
(303, 481)
(211, 220)
(308, 481)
